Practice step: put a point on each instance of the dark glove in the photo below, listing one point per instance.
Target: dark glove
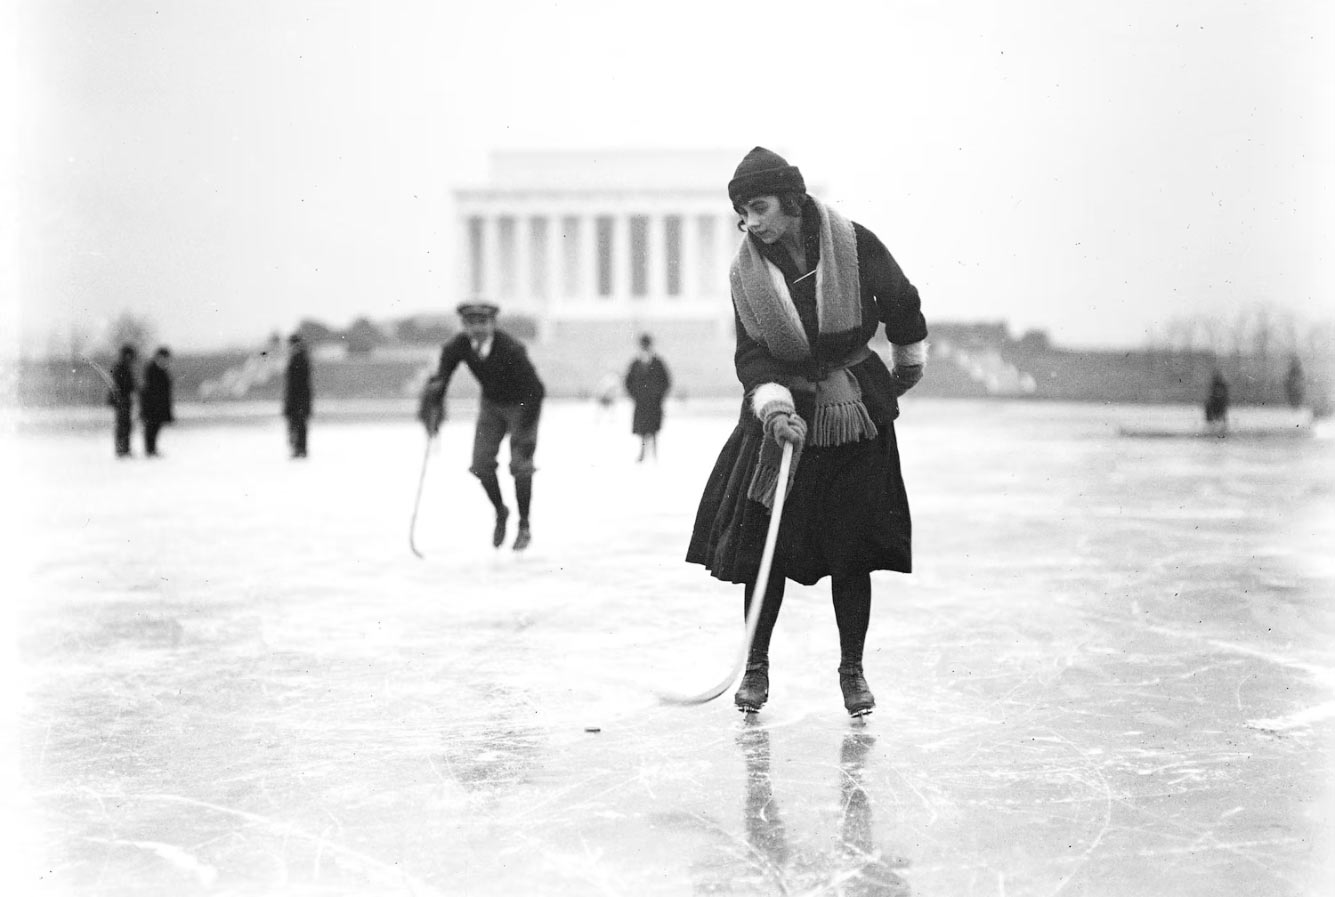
(905, 377)
(784, 427)
(431, 408)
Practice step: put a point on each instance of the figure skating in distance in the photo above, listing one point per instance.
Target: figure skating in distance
(1295, 384)
(155, 399)
(511, 405)
(120, 396)
(1216, 404)
(809, 290)
(647, 383)
(605, 393)
(298, 395)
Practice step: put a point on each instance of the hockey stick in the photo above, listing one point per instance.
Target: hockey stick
(757, 596)
(417, 501)
(102, 372)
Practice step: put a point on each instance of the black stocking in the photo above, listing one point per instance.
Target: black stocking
(769, 614)
(523, 496)
(492, 487)
(852, 611)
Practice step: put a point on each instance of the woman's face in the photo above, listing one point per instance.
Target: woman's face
(764, 216)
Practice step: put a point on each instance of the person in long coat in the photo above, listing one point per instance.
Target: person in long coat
(155, 399)
(1216, 402)
(298, 395)
(511, 405)
(810, 289)
(121, 397)
(647, 384)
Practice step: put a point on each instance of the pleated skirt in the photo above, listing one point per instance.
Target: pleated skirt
(846, 512)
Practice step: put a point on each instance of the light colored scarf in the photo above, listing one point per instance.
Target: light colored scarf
(766, 308)
(768, 315)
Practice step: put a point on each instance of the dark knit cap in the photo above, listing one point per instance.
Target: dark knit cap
(764, 172)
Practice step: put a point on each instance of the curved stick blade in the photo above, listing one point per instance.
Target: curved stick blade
(758, 600)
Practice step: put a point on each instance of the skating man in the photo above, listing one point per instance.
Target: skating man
(155, 399)
(121, 397)
(511, 404)
(297, 395)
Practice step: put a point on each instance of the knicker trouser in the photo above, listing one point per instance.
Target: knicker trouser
(494, 421)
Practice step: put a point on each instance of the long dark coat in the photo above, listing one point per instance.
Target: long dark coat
(847, 511)
(122, 396)
(647, 383)
(155, 399)
(1216, 403)
(298, 396)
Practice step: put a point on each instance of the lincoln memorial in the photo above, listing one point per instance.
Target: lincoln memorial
(603, 243)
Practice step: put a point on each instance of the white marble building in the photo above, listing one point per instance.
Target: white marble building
(592, 241)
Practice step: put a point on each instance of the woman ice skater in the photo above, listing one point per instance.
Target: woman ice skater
(809, 290)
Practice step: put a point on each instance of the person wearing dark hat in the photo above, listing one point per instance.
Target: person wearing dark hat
(155, 399)
(298, 395)
(809, 290)
(121, 397)
(647, 383)
(511, 405)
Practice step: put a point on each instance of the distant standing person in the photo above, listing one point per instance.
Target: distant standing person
(121, 398)
(1295, 384)
(511, 405)
(155, 399)
(1216, 402)
(298, 396)
(647, 383)
(605, 394)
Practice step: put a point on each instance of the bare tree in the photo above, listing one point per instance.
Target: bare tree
(130, 329)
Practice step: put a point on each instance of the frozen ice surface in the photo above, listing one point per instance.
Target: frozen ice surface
(1110, 674)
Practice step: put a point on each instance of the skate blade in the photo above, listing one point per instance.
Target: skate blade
(860, 713)
(747, 708)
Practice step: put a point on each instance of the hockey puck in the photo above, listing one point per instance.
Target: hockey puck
(592, 729)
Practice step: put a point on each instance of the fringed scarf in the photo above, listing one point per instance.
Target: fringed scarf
(769, 317)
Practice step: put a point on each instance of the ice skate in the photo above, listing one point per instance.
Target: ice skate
(858, 699)
(498, 534)
(523, 537)
(754, 690)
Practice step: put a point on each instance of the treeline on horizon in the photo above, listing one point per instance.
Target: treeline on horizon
(373, 361)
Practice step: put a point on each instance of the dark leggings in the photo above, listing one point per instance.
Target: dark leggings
(523, 492)
(852, 613)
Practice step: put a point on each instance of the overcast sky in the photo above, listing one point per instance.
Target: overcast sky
(1095, 169)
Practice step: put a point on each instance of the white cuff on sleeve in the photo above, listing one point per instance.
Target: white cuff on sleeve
(913, 353)
(769, 397)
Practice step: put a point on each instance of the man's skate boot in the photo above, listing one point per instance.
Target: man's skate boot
(523, 537)
(858, 699)
(498, 534)
(754, 690)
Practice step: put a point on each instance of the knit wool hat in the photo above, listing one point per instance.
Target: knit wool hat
(763, 172)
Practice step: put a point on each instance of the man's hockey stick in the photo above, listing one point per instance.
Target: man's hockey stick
(758, 593)
(417, 501)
